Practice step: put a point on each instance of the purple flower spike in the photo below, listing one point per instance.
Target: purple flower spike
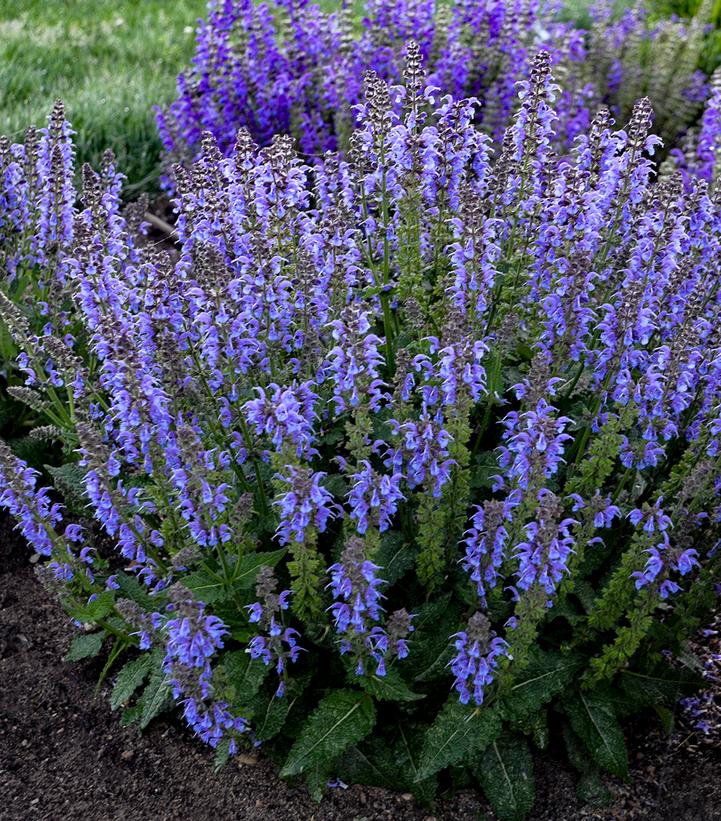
(478, 652)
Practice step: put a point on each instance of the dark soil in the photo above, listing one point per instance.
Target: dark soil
(64, 755)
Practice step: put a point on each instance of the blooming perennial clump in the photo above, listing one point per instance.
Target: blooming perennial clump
(402, 451)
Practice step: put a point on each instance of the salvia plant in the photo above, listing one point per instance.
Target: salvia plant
(407, 462)
(289, 67)
(39, 224)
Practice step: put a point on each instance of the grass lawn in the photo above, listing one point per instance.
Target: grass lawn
(109, 60)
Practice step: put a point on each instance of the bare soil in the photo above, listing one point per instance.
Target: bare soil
(64, 755)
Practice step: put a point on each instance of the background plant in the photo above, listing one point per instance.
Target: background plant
(412, 422)
(288, 67)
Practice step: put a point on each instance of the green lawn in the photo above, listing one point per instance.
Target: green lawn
(109, 60)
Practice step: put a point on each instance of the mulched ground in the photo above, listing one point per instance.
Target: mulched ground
(64, 755)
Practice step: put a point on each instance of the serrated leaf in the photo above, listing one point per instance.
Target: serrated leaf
(206, 587)
(430, 648)
(156, 695)
(85, 646)
(395, 557)
(592, 790)
(69, 479)
(483, 470)
(244, 674)
(316, 779)
(594, 720)
(372, 763)
(408, 752)
(505, 772)
(389, 687)
(270, 715)
(93, 610)
(30, 450)
(535, 725)
(131, 715)
(458, 732)
(668, 719)
(336, 485)
(130, 677)
(209, 589)
(546, 676)
(333, 437)
(342, 719)
(244, 576)
(662, 685)
(222, 754)
(132, 589)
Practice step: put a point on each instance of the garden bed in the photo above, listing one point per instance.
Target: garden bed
(65, 754)
(403, 467)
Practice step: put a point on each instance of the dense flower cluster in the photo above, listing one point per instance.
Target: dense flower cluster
(288, 67)
(191, 639)
(478, 653)
(357, 612)
(484, 382)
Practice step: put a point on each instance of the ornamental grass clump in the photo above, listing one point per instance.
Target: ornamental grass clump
(288, 67)
(410, 461)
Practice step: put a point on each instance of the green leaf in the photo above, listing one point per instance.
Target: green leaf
(494, 374)
(206, 587)
(156, 696)
(380, 762)
(506, 774)
(69, 480)
(335, 484)
(592, 790)
(333, 437)
(593, 718)
(395, 557)
(270, 715)
(371, 763)
(222, 754)
(30, 450)
(389, 687)
(661, 685)
(210, 589)
(547, 675)
(340, 720)
(85, 646)
(483, 470)
(132, 589)
(130, 677)
(94, 610)
(316, 779)
(430, 649)
(244, 576)
(668, 719)
(456, 734)
(131, 715)
(244, 674)
(408, 757)
(535, 725)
